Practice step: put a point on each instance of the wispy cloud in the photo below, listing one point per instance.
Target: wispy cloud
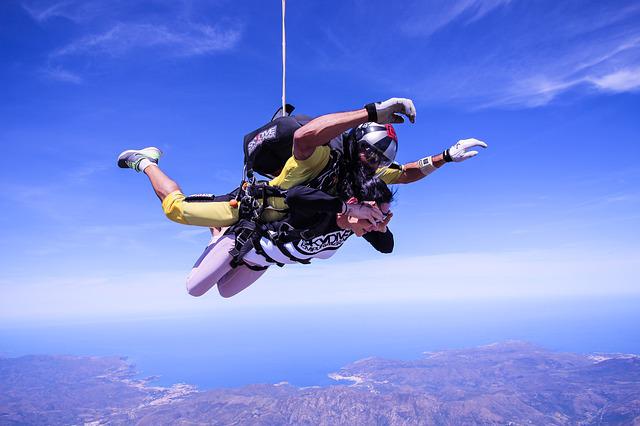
(600, 65)
(497, 53)
(619, 81)
(114, 29)
(43, 12)
(76, 11)
(123, 38)
(416, 21)
(593, 54)
(60, 74)
(439, 14)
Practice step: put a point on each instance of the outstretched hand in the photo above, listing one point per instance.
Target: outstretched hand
(460, 151)
(391, 111)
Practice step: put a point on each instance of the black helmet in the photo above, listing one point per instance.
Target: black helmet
(377, 142)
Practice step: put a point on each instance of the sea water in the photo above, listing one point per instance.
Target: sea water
(303, 345)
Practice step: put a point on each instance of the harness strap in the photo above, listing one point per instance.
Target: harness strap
(250, 229)
(291, 257)
(263, 253)
(244, 241)
(287, 233)
(328, 178)
(254, 267)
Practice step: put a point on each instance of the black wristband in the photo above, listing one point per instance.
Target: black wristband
(447, 156)
(372, 113)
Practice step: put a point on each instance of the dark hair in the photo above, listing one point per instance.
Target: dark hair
(355, 172)
(375, 189)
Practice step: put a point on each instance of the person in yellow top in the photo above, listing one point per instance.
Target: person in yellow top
(334, 153)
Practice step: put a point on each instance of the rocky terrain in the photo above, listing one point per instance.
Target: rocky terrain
(511, 383)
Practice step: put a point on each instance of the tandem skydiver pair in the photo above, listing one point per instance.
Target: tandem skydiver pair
(329, 178)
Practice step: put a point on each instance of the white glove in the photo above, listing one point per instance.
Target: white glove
(389, 111)
(458, 152)
(364, 211)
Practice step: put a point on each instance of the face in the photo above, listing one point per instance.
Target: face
(370, 157)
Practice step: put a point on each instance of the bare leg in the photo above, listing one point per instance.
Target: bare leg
(175, 205)
(162, 184)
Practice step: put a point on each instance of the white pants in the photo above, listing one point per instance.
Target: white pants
(214, 267)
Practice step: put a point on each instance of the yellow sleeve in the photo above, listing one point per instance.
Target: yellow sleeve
(209, 214)
(296, 172)
(389, 175)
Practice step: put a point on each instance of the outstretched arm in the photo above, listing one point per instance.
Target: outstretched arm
(381, 241)
(321, 130)
(412, 172)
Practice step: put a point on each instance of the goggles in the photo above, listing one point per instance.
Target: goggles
(372, 156)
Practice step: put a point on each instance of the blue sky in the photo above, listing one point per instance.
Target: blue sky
(550, 209)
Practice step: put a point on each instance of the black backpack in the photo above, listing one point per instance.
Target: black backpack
(268, 148)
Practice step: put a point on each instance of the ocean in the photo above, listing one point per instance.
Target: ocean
(303, 345)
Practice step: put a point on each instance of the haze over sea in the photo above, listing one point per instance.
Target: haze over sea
(302, 345)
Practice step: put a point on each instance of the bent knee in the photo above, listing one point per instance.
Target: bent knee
(195, 293)
(172, 207)
(196, 288)
(226, 292)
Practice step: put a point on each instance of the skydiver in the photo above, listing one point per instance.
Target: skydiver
(325, 226)
(368, 149)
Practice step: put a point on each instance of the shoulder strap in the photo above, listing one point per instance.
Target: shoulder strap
(329, 176)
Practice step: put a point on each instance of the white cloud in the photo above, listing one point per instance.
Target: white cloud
(88, 296)
(60, 74)
(532, 91)
(123, 38)
(544, 274)
(110, 29)
(44, 12)
(619, 81)
(76, 11)
(605, 66)
(540, 90)
(467, 276)
(528, 58)
(439, 14)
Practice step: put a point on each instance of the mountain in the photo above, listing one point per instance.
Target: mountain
(507, 383)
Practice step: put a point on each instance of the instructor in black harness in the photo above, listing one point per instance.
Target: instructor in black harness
(332, 152)
(367, 144)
